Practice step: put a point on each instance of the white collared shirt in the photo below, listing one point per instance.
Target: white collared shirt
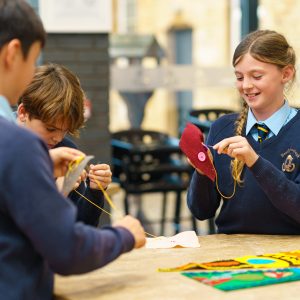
(275, 122)
(5, 110)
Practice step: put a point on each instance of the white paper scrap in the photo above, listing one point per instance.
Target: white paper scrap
(186, 239)
(70, 179)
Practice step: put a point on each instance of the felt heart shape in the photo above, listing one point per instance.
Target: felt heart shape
(191, 144)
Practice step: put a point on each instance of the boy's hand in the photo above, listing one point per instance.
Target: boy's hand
(135, 227)
(101, 173)
(61, 157)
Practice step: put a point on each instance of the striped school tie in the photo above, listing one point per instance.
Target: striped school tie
(262, 131)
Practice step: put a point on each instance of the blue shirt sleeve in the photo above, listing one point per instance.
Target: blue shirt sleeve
(47, 219)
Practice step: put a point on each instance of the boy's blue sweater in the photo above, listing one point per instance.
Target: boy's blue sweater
(268, 202)
(39, 234)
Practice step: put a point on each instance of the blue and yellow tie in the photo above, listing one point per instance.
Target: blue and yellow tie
(262, 131)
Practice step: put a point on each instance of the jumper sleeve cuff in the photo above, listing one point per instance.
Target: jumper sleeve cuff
(259, 167)
(127, 238)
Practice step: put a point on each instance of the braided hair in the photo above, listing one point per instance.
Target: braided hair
(266, 46)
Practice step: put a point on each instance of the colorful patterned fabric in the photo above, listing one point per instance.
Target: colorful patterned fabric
(275, 260)
(234, 280)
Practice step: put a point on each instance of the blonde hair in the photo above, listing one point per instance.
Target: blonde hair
(55, 94)
(269, 47)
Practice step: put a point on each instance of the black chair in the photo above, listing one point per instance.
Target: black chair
(145, 161)
(203, 118)
(209, 114)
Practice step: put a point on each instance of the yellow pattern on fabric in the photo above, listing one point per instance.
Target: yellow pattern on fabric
(274, 260)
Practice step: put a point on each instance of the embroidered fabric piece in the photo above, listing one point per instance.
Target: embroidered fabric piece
(192, 145)
(274, 260)
(235, 280)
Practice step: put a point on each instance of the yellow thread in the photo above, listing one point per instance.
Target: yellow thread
(217, 184)
(73, 164)
(151, 235)
(110, 202)
(93, 203)
(105, 210)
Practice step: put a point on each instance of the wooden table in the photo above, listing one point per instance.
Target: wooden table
(134, 275)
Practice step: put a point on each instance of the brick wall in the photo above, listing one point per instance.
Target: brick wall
(87, 56)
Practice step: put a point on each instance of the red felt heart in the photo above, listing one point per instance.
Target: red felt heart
(191, 144)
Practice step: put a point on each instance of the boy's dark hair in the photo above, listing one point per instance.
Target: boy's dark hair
(19, 21)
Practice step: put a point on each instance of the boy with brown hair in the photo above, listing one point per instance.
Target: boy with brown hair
(39, 234)
(53, 106)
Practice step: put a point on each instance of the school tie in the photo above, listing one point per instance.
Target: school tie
(262, 131)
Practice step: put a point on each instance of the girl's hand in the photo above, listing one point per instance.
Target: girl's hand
(101, 173)
(239, 148)
(200, 172)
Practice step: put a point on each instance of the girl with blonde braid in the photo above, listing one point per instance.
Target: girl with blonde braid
(256, 153)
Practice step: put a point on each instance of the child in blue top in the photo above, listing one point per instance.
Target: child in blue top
(52, 106)
(39, 234)
(256, 153)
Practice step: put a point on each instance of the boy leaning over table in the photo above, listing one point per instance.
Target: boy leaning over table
(39, 234)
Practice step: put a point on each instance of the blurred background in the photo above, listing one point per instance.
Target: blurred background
(153, 65)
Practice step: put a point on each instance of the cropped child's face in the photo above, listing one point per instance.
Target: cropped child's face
(24, 70)
(260, 84)
(52, 134)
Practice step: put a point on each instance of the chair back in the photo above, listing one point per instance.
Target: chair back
(203, 118)
(147, 161)
(146, 157)
(209, 114)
